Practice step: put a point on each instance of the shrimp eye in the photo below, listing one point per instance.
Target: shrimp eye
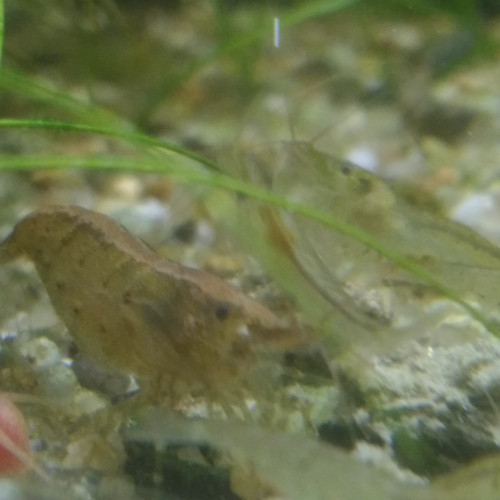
(222, 311)
(346, 168)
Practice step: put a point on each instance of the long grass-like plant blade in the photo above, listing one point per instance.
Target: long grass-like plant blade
(152, 144)
(193, 174)
(2, 31)
(296, 15)
(85, 112)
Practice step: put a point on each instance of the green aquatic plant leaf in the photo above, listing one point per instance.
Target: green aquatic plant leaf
(151, 144)
(18, 83)
(2, 30)
(356, 240)
(240, 45)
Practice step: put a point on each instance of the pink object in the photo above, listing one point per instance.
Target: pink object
(14, 443)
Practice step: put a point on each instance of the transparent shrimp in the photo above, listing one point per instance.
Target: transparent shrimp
(372, 292)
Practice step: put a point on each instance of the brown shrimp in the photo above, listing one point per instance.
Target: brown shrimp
(130, 308)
